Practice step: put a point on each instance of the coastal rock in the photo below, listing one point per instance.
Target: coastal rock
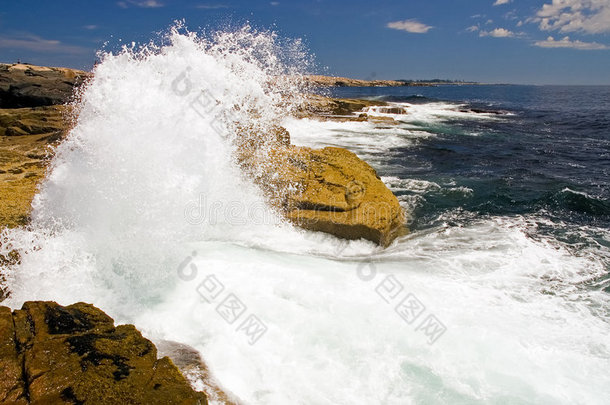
(316, 105)
(191, 365)
(23, 85)
(51, 354)
(329, 190)
(26, 138)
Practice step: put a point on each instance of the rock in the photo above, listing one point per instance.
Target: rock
(51, 354)
(33, 121)
(316, 105)
(191, 365)
(24, 85)
(382, 120)
(26, 135)
(12, 385)
(388, 110)
(329, 190)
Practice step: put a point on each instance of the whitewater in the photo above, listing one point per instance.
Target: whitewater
(145, 215)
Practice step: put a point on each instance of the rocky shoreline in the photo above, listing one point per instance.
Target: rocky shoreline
(75, 354)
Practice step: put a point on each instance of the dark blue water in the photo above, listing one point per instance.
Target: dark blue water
(547, 156)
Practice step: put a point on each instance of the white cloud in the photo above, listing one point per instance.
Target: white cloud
(497, 33)
(412, 26)
(472, 28)
(587, 16)
(33, 42)
(90, 27)
(500, 2)
(140, 3)
(211, 6)
(565, 42)
(275, 3)
(511, 15)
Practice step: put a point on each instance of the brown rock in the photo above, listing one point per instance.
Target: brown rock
(23, 85)
(329, 190)
(26, 135)
(12, 386)
(56, 355)
(191, 365)
(316, 105)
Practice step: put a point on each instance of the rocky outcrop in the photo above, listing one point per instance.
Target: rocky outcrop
(23, 85)
(329, 190)
(26, 135)
(51, 354)
(320, 106)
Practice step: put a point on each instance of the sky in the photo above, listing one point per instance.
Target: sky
(490, 41)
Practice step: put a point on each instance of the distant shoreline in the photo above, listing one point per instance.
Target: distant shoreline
(333, 81)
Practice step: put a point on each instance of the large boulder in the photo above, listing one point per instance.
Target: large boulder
(23, 85)
(51, 354)
(329, 190)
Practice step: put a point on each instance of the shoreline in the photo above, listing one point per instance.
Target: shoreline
(336, 81)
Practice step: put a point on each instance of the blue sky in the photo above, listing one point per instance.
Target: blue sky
(496, 41)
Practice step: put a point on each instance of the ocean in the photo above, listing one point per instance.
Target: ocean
(498, 295)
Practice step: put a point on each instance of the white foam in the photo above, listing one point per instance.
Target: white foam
(433, 112)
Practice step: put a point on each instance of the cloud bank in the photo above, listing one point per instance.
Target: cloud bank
(565, 42)
(586, 16)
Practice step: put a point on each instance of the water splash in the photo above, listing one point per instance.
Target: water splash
(157, 127)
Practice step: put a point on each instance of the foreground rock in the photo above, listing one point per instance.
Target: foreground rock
(191, 365)
(23, 85)
(51, 354)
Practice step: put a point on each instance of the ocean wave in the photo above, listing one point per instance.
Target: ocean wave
(578, 201)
